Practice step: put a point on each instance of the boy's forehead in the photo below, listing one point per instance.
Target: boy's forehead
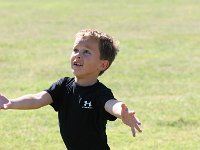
(87, 42)
(85, 39)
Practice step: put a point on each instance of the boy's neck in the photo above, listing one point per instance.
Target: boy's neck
(86, 81)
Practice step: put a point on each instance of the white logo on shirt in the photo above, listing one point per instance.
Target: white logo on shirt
(87, 104)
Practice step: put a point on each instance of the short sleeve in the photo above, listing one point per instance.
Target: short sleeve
(55, 91)
(105, 95)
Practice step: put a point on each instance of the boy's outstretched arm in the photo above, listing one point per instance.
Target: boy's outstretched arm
(120, 110)
(31, 101)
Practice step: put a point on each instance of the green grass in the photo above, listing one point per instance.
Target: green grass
(156, 72)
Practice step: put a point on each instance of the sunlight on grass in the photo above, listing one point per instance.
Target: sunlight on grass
(156, 72)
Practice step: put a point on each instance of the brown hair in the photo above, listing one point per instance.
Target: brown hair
(107, 45)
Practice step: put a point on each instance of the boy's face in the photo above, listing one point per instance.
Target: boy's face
(85, 58)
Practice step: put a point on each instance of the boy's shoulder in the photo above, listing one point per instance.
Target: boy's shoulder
(103, 88)
(65, 80)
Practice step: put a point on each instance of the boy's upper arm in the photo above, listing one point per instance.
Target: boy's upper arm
(44, 98)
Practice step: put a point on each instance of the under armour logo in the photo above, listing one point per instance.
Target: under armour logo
(87, 104)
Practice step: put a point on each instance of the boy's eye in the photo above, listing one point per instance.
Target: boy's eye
(87, 52)
(75, 50)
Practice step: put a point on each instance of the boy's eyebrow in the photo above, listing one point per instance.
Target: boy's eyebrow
(84, 47)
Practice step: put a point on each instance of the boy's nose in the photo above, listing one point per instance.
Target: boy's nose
(78, 55)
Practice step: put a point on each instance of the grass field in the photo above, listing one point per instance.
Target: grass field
(157, 72)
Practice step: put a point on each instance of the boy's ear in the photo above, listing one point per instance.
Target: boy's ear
(104, 65)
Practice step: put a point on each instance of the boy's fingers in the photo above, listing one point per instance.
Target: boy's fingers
(133, 130)
(137, 120)
(138, 128)
(135, 123)
(131, 120)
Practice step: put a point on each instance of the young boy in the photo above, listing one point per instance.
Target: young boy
(83, 103)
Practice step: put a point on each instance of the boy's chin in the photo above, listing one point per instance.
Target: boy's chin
(76, 74)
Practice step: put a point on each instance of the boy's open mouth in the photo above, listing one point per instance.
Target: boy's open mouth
(77, 64)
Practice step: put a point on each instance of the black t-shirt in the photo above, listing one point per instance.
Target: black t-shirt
(81, 113)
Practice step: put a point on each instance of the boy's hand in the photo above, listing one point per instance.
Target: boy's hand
(128, 118)
(4, 102)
